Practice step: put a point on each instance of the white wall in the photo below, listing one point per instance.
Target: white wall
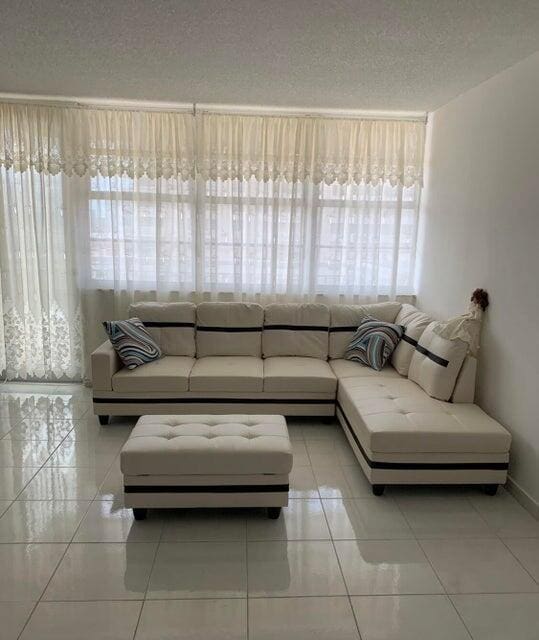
(480, 228)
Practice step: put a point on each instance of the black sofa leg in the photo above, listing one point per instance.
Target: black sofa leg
(140, 513)
(378, 489)
(103, 419)
(490, 489)
(274, 512)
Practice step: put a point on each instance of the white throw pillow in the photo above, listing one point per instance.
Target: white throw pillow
(436, 363)
(414, 322)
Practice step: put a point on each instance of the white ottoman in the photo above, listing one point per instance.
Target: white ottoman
(207, 461)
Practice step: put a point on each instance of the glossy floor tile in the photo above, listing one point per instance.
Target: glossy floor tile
(204, 525)
(505, 516)
(14, 479)
(83, 621)
(454, 517)
(301, 520)
(74, 564)
(108, 571)
(526, 550)
(220, 619)
(13, 617)
(302, 619)
(25, 453)
(384, 567)
(366, 518)
(42, 520)
(295, 568)
(199, 570)
(477, 566)
(25, 570)
(408, 618)
(500, 616)
(105, 522)
(64, 483)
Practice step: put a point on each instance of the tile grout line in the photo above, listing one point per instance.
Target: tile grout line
(144, 599)
(516, 557)
(340, 569)
(40, 599)
(446, 594)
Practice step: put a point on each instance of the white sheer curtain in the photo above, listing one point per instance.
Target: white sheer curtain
(99, 208)
(305, 207)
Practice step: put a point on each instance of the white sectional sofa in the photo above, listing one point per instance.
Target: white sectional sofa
(288, 359)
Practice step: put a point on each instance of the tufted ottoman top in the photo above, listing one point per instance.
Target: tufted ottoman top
(207, 445)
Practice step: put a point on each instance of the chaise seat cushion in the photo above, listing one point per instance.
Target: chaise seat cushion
(397, 416)
(298, 374)
(350, 369)
(168, 374)
(227, 373)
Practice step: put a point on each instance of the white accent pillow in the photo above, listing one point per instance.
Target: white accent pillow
(414, 322)
(436, 363)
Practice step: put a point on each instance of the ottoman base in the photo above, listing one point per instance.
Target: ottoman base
(172, 462)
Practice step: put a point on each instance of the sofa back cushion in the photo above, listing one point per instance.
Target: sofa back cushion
(346, 318)
(171, 325)
(436, 363)
(229, 329)
(414, 322)
(296, 330)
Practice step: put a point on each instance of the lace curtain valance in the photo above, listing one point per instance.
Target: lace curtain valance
(320, 149)
(136, 143)
(96, 141)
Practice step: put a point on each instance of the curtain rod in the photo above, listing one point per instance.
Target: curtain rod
(224, 109)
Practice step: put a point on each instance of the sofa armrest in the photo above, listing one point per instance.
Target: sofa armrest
(105, 363)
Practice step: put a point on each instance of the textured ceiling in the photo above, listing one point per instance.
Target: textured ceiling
(367, 54)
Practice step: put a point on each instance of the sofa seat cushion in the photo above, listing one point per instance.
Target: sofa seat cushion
(168, 374)
(227, 373)
(298, 374)
(397, 416)
(350, 369)
(207, 445)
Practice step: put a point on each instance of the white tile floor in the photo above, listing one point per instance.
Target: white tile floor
(339, 564)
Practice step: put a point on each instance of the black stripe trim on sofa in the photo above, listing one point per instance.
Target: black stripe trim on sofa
(342, 329)
(294, 327)
(231, 329)
(453, 466)
(231, 488)
(213, 400)
(432, 356)
(191, 325)
(409, 340)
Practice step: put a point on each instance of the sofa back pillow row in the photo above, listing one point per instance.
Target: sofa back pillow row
(248, 329)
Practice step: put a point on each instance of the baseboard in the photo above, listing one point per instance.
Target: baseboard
(522, 496)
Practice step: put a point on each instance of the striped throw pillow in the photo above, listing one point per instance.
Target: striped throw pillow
(373, 342)
(132, 342)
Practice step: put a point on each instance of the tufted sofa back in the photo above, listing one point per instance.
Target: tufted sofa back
(172, 325)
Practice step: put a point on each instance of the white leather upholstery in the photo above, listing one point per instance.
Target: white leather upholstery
(287, 330)
(415, 322)
(349, 369)
(219, 329)
(438, 380)
(105, 363)
(397, 416)
(207, 445)
(293, 373)
(168, 374)
(227, 373)
(345, 319)
(176, 331)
